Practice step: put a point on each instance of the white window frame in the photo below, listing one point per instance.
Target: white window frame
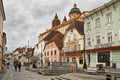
(109, 37)
(119, 34)
(109, 18)
(71, 48)
(74, 37)
(88, 26)
(98, 39)
(88, 41)
(78, 47)
(68, 38)
(97, 22)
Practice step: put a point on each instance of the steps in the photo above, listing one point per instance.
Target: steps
(60, 78)
(52, 72)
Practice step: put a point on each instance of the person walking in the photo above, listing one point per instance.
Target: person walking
(15, 65)
(19, 66)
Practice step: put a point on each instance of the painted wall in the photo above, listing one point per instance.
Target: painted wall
(49, 52)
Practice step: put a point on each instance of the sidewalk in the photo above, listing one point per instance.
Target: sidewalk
(82, 76)
(2, 73)
(8, 75)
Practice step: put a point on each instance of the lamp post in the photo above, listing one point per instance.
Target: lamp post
(28, 55)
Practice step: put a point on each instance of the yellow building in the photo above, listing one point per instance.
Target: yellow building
(76, 16)
(2, 18)
(73, 49)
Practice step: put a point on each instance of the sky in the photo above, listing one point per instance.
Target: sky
(26, 19)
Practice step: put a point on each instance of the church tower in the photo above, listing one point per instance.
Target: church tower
(55, 21)
(74, 12)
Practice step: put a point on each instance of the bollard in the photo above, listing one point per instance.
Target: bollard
(108, 77)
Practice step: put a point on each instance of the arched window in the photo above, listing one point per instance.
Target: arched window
(80, 60)
(73, 59)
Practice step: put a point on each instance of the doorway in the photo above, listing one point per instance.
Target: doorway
(104, 57)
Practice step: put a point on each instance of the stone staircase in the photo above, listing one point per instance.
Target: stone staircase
(52, 72)
(60, 78)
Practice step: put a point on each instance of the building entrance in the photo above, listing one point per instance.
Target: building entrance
(104, 57)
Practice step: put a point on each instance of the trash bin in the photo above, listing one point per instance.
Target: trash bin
(114, 65)
(108, 77)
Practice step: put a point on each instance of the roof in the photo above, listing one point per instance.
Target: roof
(101, 7)
(50, 35)
(2, 10)
(58, 39)
(78, 25)
(75, 9)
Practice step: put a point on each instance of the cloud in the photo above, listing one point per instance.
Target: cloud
(27, 18)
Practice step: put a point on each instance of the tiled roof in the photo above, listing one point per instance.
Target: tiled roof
(58, 39)
(79, 25)
(50, 35)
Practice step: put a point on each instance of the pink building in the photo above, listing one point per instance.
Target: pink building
(52, 49)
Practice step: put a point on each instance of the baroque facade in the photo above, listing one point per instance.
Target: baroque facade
(74, 14)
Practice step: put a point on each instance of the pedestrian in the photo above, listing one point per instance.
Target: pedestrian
(15, 65)
(19, 66)
(7, 63)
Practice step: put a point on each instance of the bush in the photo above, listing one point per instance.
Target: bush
(99, 66)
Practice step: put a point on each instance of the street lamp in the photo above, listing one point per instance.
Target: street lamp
(28, 56)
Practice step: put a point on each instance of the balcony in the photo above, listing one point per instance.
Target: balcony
(103, 45)
(71, 52)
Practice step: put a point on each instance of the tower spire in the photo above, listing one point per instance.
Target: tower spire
(75, 5)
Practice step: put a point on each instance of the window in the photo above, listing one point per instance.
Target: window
(88, 26)
(119, 34)
(74, 37)
(47, 53)
(109, 37)
(80, 60)
(109, 18)
(78, 47)
(98, 39)
(97, 22)
(55, 52)
(51, 52)
(73, 59)
(67, 59)
(68, 38)
(88, 41)
(71, 48)
(65, 49)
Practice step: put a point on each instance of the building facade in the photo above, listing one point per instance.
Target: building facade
(2, 18)
(102, 35)
(52, 49)
(74, 43)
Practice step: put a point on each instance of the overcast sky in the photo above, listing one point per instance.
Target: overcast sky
(26, 19)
